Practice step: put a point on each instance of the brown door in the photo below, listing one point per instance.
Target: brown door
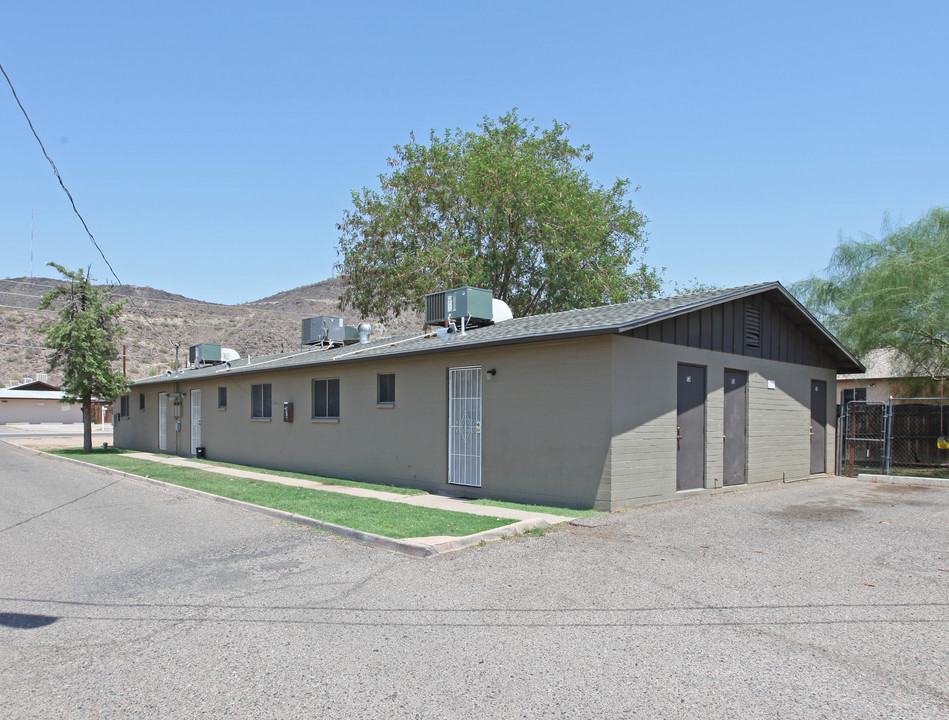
(690, 433)
(818, 426)
(734, 448)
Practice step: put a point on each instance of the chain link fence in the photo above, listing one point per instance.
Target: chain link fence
(907, 436)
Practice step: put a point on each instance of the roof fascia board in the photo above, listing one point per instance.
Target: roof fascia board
(565, 334)
(824, 331)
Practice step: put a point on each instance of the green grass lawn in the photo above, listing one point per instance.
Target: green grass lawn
(367, 514)
(316, 478)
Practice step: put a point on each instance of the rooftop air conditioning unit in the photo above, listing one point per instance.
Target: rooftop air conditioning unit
(204, 354)
(322, 329)
(327, 329)
(464, 302)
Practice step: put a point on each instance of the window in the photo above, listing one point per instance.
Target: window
(222, 398)
(124, 406)
(386, 394)
(261, 407)
(326, 399)
(858, 394)
(141, 401)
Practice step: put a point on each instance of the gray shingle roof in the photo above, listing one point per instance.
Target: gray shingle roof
(571, 323)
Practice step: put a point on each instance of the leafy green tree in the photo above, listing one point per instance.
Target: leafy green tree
(891, 292)
(83, 343)
(508, 208)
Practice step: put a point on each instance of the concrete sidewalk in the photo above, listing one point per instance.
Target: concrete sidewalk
(437, 502)
(522, 520)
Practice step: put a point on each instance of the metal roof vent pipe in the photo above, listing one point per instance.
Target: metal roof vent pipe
(364, 330)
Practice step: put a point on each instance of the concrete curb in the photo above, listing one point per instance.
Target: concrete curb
(904, 480)
(412, 548)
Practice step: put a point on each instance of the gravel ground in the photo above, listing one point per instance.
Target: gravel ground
(824, 599)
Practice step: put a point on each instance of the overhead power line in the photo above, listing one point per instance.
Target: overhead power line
(72, 202)
(118, 296)
(43, 347)
(58, 176)
(26, 347)
(27, 309)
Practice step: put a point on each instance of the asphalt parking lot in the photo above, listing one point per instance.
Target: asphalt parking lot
(822, 599)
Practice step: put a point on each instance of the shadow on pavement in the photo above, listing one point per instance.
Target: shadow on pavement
(24, 621)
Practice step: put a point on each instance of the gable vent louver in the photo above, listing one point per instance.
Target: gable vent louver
(752, 328)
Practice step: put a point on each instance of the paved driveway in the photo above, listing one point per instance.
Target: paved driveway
(823, 599)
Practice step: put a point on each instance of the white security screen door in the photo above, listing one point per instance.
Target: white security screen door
(195, 421)
(162, 422)
(464, 426)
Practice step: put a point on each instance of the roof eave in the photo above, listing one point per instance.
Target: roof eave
(846, 362)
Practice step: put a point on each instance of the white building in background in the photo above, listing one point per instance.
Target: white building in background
(36, 402)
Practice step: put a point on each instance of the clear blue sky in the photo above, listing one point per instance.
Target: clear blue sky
(212, 146)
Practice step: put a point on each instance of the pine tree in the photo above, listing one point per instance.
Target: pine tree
(83, 343)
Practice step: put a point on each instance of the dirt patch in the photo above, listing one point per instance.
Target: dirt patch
(815, 512)
(885, 494)
(886, 489)
(58, 443)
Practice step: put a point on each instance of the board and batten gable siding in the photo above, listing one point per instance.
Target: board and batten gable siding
(545, 422)
(722, 328)
(643, 448)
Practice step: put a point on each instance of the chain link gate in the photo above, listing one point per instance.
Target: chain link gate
(916, 435)
(863, 438)
(901, 437)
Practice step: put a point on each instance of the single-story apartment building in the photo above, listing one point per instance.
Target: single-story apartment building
(36, 401)
(887, 375)
(604, 407)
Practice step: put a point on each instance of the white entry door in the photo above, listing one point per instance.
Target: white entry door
(195, 421)
(464, 426)
(162, 422)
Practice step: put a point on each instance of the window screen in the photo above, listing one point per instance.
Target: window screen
(326, 398)
(386, 394)
(261, 407)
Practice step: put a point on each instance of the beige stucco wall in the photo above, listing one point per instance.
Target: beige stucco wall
(643, 450)
(878, 390)
(545, 424)
(582, 422)
(30, 410)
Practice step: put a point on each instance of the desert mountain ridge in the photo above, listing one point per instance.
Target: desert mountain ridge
(155, 320)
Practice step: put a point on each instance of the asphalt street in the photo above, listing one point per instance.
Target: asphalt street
(822, 599)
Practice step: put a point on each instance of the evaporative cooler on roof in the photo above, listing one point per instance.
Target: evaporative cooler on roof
(204, 354)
